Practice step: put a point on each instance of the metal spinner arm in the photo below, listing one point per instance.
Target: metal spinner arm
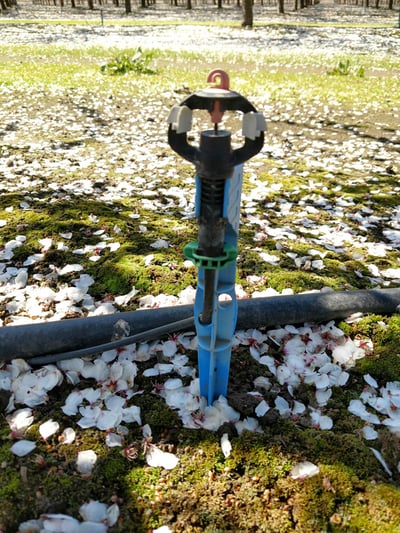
(218, 191)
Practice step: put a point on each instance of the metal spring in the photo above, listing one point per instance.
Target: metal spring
(212, 195)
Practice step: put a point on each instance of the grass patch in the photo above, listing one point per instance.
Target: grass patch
(278, 76)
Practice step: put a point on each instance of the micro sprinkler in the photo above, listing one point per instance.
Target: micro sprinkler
(219, 173)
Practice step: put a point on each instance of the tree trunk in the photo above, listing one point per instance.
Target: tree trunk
(247, 7)
(128, 7)
(188, 4)
(281, 6)
(3, 5)
(219, 4)
(90, 4)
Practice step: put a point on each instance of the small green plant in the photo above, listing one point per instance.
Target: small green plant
(360, 72)
(343, 69)
(138, 63)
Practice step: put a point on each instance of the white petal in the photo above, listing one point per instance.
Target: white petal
(115, 402)
(304, 470)
(151, 372)
(22, 447)
(248, 424)
(282, 405)
(169, 348)
(125, 299)
(226, 445)
(60, 523)
(68, 436)
(108, 420)
(262, 408)
(113, 440)
(392, 424)
(70, 268)
(71, 364)
(86, 461)
(371, 381)
(322, 396)
(31, 526)
(20, 419)
(159, 243)
(158, 369)
(47, 429)
(93, 511)
(298, 408)
(342, 354)
(132, 414)
(262, 382)
(369, 433)
(342, 379)
(380, 458)
(112, 515)
(92, 527)
(156, 457)
(146, 431)
(73, 401)
(356, 407)
(87, 422)
(91, 395)
(325, 422)
(322, 381)
(173, 383)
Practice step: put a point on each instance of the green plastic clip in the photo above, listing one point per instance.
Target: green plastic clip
(210, 263)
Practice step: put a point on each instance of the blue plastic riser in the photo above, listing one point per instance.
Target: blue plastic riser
(215, 339)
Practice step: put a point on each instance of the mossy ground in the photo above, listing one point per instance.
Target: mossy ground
(251, 491)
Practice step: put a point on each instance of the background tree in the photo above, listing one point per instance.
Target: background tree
(247, 7)
(6, 4)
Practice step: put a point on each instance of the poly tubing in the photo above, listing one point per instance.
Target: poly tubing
(27, 341)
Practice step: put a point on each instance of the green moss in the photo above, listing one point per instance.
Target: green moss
(141, 486)
(340, 448)
(11, 483)
(255, 457)
(320, 497)
(113, 467)
(376, 509)
(118, 277)
(156, 413)
(384, 362)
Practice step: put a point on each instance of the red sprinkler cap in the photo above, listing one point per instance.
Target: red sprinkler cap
(223, 86)
(222, 76)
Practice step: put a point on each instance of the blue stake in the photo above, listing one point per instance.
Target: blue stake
(215, 339)
(218, 192)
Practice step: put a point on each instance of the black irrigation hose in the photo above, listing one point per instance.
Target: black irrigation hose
(93, 334)
(151, 334)
(53, 337)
